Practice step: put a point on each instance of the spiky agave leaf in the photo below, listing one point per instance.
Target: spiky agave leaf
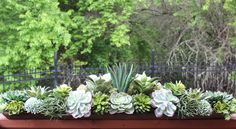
(121, 76)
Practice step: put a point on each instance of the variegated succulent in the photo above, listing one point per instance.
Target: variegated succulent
(164, 102)
(121, 103)
(79, 103)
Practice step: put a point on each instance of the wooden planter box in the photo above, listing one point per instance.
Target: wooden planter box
(117, 121)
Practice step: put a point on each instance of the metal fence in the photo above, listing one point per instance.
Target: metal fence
(204, 76)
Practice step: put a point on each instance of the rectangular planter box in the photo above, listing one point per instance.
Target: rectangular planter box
(118, 121)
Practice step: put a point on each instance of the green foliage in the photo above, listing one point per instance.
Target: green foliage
(15, 95)
(192, 103)
(177, 89)
(99, 84)
(38, 92)
(53, 107)
(62, 91)
(121, 103)
(101, 103)
(142, 84)
(33, 105)
(142, 103)
(121, 76)
(15, 107)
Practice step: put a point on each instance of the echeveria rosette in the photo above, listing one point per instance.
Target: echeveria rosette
(177, 88)
(121, 103)
(101, 103)
(62, 91)
(15, 107)
(142, 103)
(79, 103)
(33, 105)
(164, 102)
(16, 95)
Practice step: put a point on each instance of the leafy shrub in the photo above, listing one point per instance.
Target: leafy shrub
(101, 103)
(33, 105)
(142, 84)
(163, 100)
(121, 103)
(142, 103)
(15, 107)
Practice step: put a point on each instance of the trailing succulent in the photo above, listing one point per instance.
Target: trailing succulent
(101, 103)
(33, 105)
(99, 84)
(222, 102)
(38, 92)
(15, 107)
(142, 84)
(192, 103)
(79, 103)
(142, 103)
(62, 91)
(177, 88)
(121, 103)
(164, 102)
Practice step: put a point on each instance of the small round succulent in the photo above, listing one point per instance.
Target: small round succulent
(101, 103)
(33, 105)
(177, 88)
(15, 107)
(62, 91)
(16, 95)
(142, 103)
(204, 108)
(121, 103)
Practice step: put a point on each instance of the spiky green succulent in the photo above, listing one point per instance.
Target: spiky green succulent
(33, 105)
(53, 107)
(142, 84)
(101, 103)
(16, 95)
(79, 103)
(121, 103)
(192, 103)
(164, 102)
(142, 103)
(177, 88)
(38, 92)
(121, 76)
(62, 91)
(15, 107)
(99, 83)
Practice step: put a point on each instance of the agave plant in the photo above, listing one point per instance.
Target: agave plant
(142, 84)
(33, 105)
(62, 91)
(79, 103)
(164, 102)
(121, 76)
(121, 103)
(193, 103)
(38, 92)
(99, 83)
(177, 89)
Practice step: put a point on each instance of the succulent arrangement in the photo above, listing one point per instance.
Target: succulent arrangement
(118, 91)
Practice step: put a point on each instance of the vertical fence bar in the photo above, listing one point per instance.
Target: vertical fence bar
(3, 79)
(152, 63)
(55, 69)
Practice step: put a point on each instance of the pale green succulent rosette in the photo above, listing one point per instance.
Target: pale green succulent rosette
(121, 103)
(33, 105)
(164, 102)
(79, 103)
